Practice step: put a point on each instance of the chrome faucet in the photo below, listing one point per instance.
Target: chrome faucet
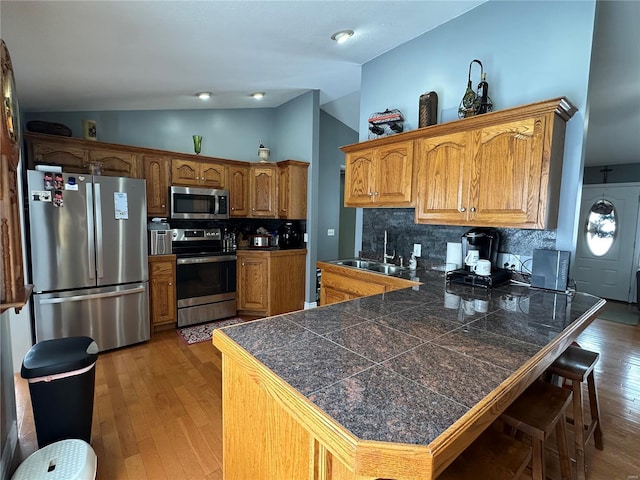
(384, 254)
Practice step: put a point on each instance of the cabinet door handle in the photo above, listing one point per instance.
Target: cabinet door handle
(462, 209)
(370, 194)
(170, 283)
(376, 194)
(473, 209)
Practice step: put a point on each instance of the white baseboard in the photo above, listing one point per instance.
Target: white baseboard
(309, 305)
(10, 444)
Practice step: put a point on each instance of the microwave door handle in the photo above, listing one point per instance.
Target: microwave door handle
(91, 250)
(99, 251)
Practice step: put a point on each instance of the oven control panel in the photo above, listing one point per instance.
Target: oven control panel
(186, 235)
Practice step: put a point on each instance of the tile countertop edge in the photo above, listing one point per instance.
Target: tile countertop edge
(458, 437)
(343, 444)
(441, 451)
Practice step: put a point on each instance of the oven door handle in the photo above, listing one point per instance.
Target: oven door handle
(214, 259)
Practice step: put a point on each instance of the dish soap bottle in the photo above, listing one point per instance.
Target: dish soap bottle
(413, 263)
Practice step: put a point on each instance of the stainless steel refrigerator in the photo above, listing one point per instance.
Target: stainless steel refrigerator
(88, 257)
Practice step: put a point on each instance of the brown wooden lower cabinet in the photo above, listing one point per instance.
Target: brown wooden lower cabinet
(270, 282)
(285, 447)
(343, 283)
(162, 291)
(290, 438)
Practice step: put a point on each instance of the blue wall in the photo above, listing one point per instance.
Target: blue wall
(531, 51)
(297, 137)
(333, 135)
(227, 133)
(622, 173)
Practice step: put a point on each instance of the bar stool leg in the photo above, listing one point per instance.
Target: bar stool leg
(595, 410)
(537, 459)
(578, 428)
(561, 438)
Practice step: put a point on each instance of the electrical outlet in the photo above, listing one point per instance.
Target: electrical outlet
(509, 261)
(516, 263)
(417, 249)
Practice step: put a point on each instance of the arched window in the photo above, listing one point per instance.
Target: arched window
(601, 227)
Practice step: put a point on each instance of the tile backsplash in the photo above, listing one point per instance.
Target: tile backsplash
(402, 233)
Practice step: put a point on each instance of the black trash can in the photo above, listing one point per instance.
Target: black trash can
(61, 374)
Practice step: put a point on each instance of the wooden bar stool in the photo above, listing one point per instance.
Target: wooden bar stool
(537, 412)
(576, 365)
(493, 456)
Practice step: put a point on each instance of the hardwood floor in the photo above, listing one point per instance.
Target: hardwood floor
(157, 411)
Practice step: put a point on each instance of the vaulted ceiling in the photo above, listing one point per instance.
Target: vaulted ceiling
(138, 55)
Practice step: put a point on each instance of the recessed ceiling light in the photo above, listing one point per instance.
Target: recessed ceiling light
(204, 95)
(257, 95)
(342, 36)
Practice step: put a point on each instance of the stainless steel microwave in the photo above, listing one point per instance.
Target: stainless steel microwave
(188, 203)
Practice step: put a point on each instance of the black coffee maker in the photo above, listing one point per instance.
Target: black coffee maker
(486, 241)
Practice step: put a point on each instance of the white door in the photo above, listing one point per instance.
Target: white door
(605, 263)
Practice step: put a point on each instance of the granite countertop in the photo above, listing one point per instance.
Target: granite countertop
(266, 249)
(405, 365)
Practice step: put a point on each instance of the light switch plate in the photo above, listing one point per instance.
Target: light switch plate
(331, 232)
(417, 249)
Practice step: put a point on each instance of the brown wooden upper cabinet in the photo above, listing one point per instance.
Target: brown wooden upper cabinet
(380, 175)
(490, 177)
(502, 172)
(75, 155)
(500, 169)
(197, 173)
(52, 150)
(292, 189)
(263, 190)
(116, 163)
(157, 172)
(238, 185)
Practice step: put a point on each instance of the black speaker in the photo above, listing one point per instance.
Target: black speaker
(550, 269)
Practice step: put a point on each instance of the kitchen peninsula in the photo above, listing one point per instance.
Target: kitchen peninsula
(389, 386)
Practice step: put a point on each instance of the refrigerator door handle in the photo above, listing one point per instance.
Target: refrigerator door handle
(90, 235)
(93, 296)
(99, 250)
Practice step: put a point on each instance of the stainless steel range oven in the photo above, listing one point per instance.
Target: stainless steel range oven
(205, 276)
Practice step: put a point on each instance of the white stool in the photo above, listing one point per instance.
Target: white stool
(72, 459)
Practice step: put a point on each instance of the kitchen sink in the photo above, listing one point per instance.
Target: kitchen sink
(356, 263)
(384, 268)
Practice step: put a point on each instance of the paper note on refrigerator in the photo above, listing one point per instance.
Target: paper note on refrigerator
(121, 205)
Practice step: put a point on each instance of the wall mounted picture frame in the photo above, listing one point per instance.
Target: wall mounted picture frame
(90, 130)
